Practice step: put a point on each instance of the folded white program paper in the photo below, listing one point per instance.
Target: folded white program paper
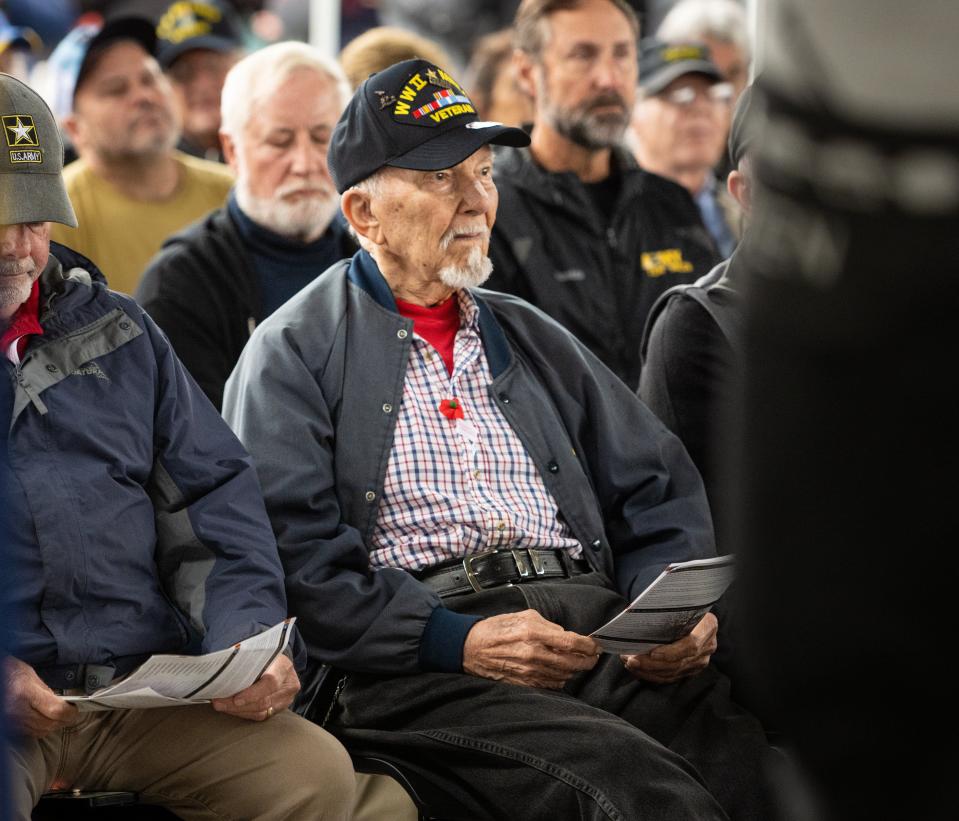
(167, 680)
(669, 608)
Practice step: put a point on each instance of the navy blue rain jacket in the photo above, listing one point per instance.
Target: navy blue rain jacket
(137, 523)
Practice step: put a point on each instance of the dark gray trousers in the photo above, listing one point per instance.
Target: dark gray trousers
(606, 747)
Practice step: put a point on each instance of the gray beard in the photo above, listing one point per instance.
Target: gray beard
(589, 130)
(474, 273)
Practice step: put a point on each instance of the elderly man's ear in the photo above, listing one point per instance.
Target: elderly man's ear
(228, 144)
(357, 209)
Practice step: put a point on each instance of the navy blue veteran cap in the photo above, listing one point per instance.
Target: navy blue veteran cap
(191, 24)
(410, 115)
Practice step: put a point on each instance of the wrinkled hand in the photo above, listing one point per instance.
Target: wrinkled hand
(32, 707)
(681, 659)
(524, 648)
(275, 688)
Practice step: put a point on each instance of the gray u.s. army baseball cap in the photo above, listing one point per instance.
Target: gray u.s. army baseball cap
(31, 159)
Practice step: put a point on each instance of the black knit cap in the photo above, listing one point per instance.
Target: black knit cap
(410, 115)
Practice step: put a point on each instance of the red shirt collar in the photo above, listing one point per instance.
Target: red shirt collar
(25, 322)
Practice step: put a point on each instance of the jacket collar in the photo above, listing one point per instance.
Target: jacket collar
(517, 166)
(365, 274)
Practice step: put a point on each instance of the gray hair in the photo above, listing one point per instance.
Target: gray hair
(259, 74)
(723, 20)
(372, 186)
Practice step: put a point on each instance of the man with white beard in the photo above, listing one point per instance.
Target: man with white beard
(461, 493)
(212, 283)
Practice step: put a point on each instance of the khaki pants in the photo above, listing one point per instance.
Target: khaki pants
(198, 763)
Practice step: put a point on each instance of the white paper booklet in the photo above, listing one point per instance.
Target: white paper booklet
(669, 608)
(166, 680)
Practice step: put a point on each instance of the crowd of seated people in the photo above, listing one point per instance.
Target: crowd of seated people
(357, 342)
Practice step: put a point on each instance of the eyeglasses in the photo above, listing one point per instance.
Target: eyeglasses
(685, 96)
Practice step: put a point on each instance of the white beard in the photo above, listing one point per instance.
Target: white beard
(474, 273)
(16, 284)
(305, 220)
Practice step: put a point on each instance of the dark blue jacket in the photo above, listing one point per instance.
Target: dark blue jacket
(137, 524)
(313, 397)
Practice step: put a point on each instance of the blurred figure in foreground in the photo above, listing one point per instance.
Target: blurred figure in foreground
(849, 444)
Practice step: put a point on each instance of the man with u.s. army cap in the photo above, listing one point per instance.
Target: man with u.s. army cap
(133, 525)
(462, 492)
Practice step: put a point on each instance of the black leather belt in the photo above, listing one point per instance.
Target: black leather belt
(496, 568)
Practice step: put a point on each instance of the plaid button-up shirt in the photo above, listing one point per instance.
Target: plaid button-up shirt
(454, 488)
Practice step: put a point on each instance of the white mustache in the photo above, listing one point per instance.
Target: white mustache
(297, 188)
(476, 231)
(16, 268)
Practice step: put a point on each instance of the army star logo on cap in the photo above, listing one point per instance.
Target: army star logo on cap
(20, 127)
(21, 136)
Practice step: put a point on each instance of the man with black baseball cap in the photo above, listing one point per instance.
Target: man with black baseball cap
(680, 124)
(130, 187)
(198, 41)
(135, 524)
(462, 492)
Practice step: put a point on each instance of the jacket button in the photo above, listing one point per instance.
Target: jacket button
(370, 495)
(504, 398)
(552, 467)
(93, 681)
(124, 326)
(52, 368)
(402, 333)
(70, 675)
(596, 544)
(387, 408)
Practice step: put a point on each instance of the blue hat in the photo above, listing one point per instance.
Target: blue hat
(11, 36)
(410, 115)
(190, 24)
(70, 59)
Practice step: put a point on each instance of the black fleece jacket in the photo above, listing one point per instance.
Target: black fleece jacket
(202, 290)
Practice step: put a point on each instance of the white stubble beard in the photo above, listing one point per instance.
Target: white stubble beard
(14, 293)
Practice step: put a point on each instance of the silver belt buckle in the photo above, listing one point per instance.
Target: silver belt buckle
(468, 568)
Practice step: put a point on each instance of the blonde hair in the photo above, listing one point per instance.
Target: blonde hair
(380, 47)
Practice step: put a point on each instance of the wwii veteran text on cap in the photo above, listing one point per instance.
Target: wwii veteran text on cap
(31, 182)
(410, 115)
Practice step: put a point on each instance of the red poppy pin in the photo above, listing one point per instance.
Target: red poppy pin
(451, 409)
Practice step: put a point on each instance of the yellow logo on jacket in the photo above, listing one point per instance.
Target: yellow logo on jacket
(667, 261)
